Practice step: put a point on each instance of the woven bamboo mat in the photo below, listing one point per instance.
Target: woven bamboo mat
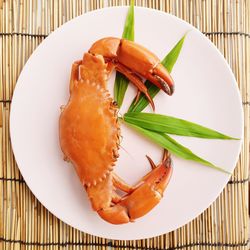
(24, 222)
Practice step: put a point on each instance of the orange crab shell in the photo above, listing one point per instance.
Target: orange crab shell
(89, 131)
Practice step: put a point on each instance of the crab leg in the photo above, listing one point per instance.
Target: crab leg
(138, 94)
(136, 81)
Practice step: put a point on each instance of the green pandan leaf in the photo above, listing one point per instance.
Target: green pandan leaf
(174, 147)
(172, 125)
(121, 82)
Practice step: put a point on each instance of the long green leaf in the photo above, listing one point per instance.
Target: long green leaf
(172, 125)
(174, 147)
(168, 62)
(121, 82)
(129, 27)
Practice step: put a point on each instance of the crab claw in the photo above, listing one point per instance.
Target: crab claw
(162, 170)
(146, 194)
(143, 62)
(134, 60)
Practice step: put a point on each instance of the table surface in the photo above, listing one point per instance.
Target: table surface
(24, 222)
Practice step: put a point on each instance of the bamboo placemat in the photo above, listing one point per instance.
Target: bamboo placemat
(24, 222)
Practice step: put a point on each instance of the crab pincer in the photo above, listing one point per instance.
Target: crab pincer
(134, 61)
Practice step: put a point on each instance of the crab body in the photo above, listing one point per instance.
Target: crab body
(90, 132)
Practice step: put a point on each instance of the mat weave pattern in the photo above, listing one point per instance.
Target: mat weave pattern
(24, 222)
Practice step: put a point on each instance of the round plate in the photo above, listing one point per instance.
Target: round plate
(206, 92)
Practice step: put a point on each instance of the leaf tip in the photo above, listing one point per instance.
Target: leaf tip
(227, 172)
(186, 33)
(234, 138)
(227, 137)
(221, 170)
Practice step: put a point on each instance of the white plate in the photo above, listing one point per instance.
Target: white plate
(206, 93)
